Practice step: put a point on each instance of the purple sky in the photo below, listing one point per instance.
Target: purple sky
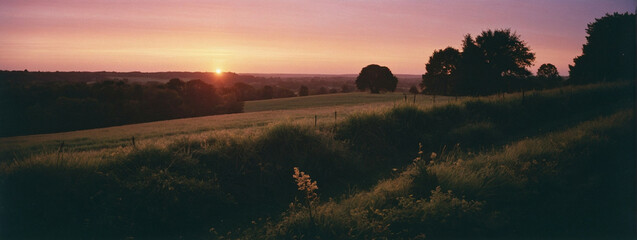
(279, 36)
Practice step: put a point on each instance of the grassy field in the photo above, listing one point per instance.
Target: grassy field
(338, 100)
(526, 189)
(258, 115)
(552, 164)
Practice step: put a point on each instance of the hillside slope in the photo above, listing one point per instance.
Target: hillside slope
(213, 183)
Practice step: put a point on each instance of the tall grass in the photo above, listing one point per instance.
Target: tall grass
(478, 123)
(264, 114)
(572, 183)
(183, 188)
(205, 185)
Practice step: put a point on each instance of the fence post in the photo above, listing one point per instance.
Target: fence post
(415, 98)
(334, 116)
(61, 151)
(133, 141)
(315, 120)
(434, 99)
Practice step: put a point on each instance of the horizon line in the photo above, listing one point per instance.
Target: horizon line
(177, 71)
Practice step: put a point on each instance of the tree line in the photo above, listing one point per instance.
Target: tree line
(46, 102)
(30, 107)
(498, 60)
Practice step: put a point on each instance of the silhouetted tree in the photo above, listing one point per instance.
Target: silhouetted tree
(176, 84)
(471, 68)
(547, 77)
(200, 98)
(440, 69)
(304, 91)
(609, 51)
(505, 53)
(376, 78)
(506, 56)
(490, 63)
(547, 70)
(245, 92)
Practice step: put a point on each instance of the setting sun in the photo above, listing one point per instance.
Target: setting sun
(206, 118)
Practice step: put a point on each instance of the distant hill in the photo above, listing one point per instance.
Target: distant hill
(285, 80)
(294, 75)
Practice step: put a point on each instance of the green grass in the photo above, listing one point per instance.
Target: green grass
(526, 189)
(258, 115)
(338, 100)
(205, 177)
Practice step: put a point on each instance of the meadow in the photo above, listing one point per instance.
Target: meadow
(547, 164)
(257, 115)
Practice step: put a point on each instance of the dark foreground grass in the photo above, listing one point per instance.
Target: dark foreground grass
(182, 190)
(572, 184)
(476, 124)
(207, 188)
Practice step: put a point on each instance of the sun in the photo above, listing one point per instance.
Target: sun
(218, 71)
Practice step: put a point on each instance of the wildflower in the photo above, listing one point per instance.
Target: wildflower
(305, 184)
(433, 155)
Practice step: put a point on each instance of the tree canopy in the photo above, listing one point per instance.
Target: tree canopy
(440, 68)
(376, 78)
(504, 53)
(487, 64)
(30, 107)
(547, 70)
(609, 51)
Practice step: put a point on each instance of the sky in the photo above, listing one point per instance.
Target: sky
(279, 36)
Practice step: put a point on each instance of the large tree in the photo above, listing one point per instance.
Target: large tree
(376, 78)
(506, 57)
(505, 53)
(471, 68)
(609, 52)
(440, 69)
(547, 77)
(491, 61)
(548, 70)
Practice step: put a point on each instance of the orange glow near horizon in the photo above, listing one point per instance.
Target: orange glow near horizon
(279, 36)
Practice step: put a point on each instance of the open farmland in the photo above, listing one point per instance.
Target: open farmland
(258, 114)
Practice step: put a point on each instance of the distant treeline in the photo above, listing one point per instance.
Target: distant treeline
(30, 107)
(46, 102)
